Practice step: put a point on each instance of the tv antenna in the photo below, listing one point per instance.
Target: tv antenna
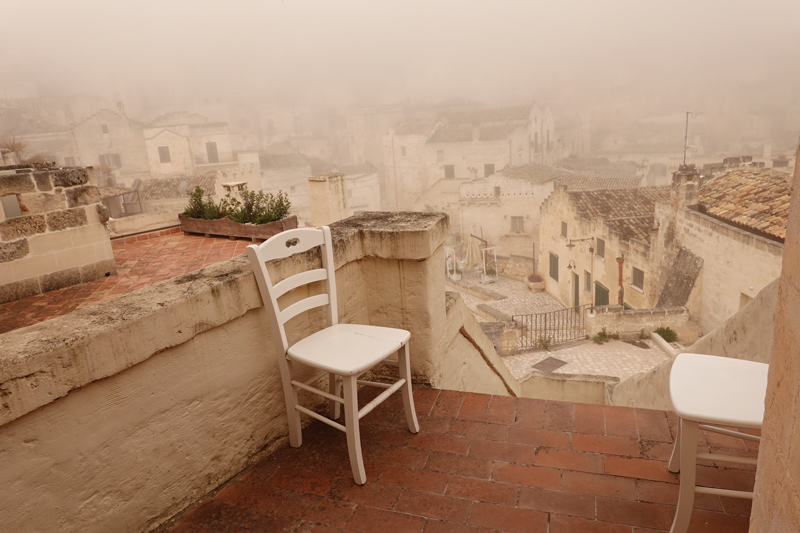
(686, 135)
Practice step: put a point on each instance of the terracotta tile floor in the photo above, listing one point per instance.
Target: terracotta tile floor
(480, 463)
(140, 261)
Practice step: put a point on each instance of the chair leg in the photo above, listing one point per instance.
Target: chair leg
(404, 365)
(293, 415)
(688, 460)
(675, 458)
(333, 388)
(352, 430)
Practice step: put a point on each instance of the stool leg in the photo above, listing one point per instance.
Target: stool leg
(688, 461)
(404, 365)
(352, 430)
(675, 458)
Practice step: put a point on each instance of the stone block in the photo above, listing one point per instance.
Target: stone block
(11, 251)
(97, 270)
(90, 234)
(14, 228)
(69, 177)
(31, 204)
(60, 279)
(46, 243)
(33, 265)
(43, 181)
(69, 218)
(102, 213)
(77, 196)
(16, 184)
(76, 256)
(17, 290)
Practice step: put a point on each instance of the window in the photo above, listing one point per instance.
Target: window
(600, 294)
(211, 150)
(488, 169)
(69, 161)
(601, 248)
(10, 205)
(497, 192)
(111, 160)
(553, 266)
(440, 156)
(163, 154)
(449, 171)
(403, 151)
(104, 128)
(564, 229)
(638, 278)
(587, 281)
(517, 225)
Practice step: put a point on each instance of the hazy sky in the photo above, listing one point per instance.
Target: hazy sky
(342, 51)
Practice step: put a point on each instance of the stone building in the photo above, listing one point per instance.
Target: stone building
(288, 173)
(187, 144)
(363, 188)
(113, 140)
(719, 243)
(617, 225)
(52, 232)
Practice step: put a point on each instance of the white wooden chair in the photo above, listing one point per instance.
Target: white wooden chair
(343, 351)
(708, 391)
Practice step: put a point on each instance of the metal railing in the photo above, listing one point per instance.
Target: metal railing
(542, 330)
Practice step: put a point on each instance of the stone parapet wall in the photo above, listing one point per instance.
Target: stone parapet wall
(629, 323)
(59, 239)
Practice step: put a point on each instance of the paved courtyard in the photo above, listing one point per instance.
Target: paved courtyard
(614, 358)
(514, 298)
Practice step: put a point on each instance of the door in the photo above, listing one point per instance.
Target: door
(600, 294)
(488, 169)
(213, 156)
(576, 290)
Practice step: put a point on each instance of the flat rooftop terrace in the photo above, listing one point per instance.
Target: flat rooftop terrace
(141, 260)
(480, 463)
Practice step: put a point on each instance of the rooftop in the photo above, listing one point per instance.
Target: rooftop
(290, 160)
(480, 463)
(413, 128)
(482, 116)
(141, 261)
(630, 212)
(536, 172)
(599, 167)
(588, 183)
(753, 199)
(463, 133)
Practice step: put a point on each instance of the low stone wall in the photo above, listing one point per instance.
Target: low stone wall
(515, 266)
(117, 416)
(630, 323)
(59, 240)
(143, 222)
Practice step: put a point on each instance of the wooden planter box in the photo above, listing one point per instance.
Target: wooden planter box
(228, 228)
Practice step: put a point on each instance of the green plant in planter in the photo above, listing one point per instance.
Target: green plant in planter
(255, 207)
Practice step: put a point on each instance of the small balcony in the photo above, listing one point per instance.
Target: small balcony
(480, 463)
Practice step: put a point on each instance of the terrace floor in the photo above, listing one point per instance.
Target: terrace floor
(141, 261)
(480, 463)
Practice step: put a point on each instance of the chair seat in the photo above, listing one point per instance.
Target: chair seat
(348, 349)
(718, 390)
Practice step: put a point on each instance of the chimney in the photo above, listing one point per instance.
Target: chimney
(685, 187)
(328, 196)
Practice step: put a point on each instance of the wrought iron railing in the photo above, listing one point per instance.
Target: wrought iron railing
(542, 330)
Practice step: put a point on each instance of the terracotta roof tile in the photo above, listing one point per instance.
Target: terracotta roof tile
(752, 199)
(536, 173)
(629, 212)
(588, 183)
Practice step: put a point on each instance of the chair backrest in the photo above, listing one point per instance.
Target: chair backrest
(285, 244)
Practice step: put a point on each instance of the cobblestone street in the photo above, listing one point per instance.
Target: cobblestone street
(514, 298)
(614, 358)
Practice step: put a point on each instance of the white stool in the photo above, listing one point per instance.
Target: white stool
(720, 391)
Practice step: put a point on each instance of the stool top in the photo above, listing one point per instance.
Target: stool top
(718, 390)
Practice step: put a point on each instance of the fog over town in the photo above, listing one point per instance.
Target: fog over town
(538, 260)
